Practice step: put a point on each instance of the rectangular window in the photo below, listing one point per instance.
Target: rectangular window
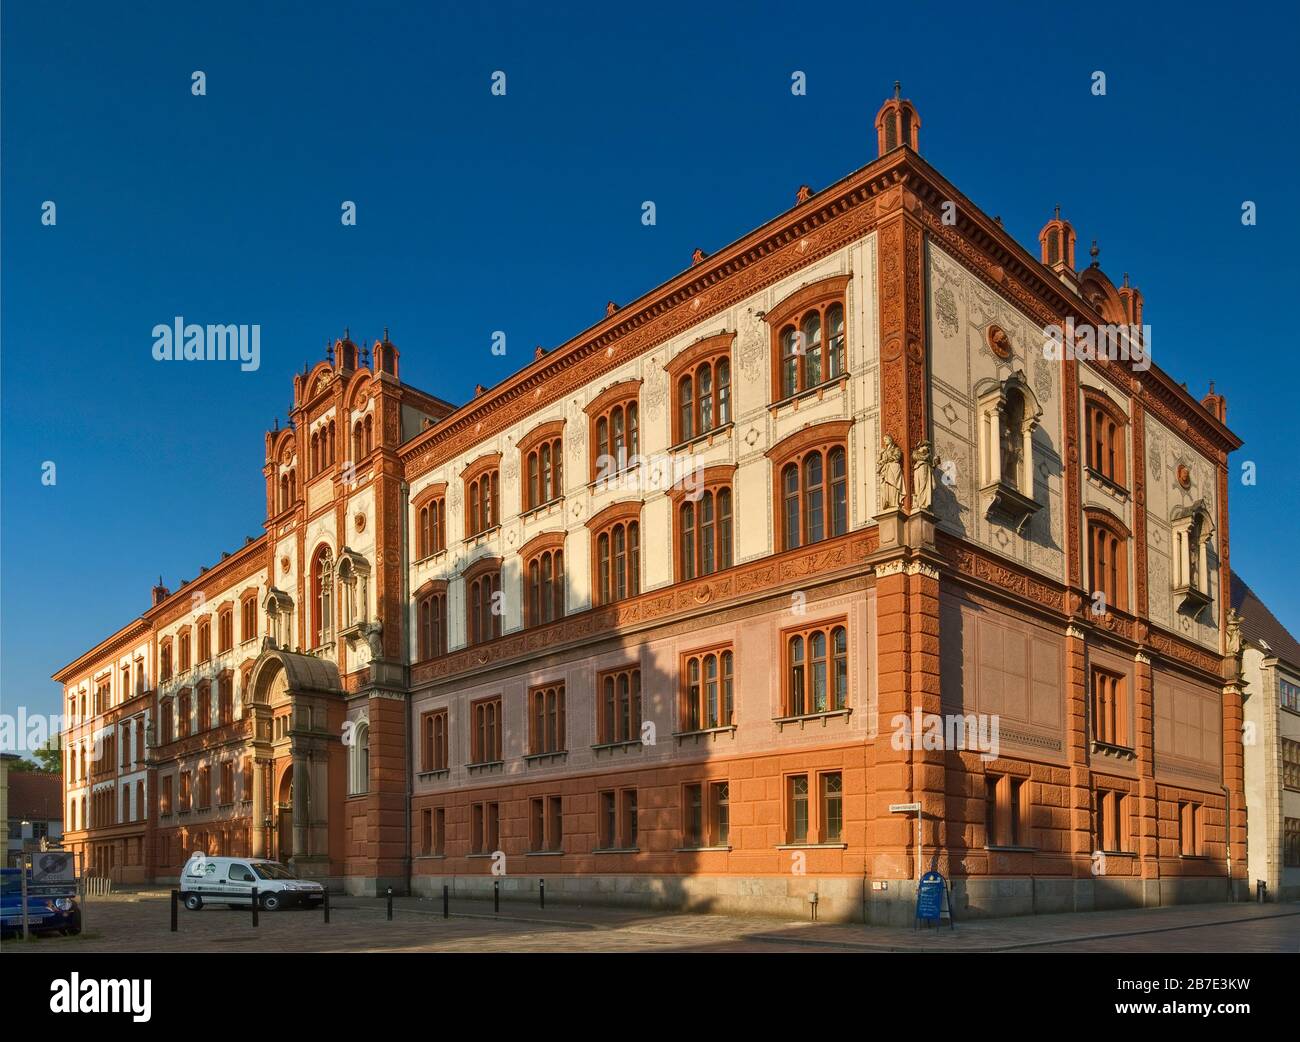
(720, 808)
(205, 788)
(1289, 695)
(627, 819)
(1110, 710)
(1291, 842)
(185, 794)
(545, 828)
(546, 726)
(1112, 831)
(1290, 764)
(832, 807)
(165, 797)
(608, 824)
(797, 808)
(1007, 811)
(226, 698)
(485, 822)
(486, 716)
(1189, 829)
(439, 831)
(707, 690)
(227, 790)
(816, 670)
(426, 832)
(205, 706)
(619, 708)
(433, 736)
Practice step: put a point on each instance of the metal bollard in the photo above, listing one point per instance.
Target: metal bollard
(446, 901)
(327, 906)
(541, 891)
(390, 904)
(496, 896)
(255, 903)
(176, 898)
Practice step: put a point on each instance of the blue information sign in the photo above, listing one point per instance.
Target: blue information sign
(930, 896)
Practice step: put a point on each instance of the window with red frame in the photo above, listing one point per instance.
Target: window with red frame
(485, 736)
(431, 624)
(707, 696)
(619, 706)
(1106, 444)
(483, 502)
(704, 533)
(616, 554)
(481, 601)
(546, 730)
(544, 586)
(816, 670)
(813, 491)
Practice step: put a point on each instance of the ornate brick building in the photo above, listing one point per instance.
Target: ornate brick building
(671, 615)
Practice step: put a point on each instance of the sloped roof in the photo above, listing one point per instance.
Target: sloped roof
(1260, 624)
(35, 796)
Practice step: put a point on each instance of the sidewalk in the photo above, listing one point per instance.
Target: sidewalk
(980, 935)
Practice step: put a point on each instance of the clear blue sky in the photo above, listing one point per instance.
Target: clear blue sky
(522, 213)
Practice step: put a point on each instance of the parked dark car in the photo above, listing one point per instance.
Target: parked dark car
(49, 909)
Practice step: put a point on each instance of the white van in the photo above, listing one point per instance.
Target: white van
(231, 881)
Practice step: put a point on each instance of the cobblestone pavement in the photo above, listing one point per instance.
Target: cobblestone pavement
(139, 922)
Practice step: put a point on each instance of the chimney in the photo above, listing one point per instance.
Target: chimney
(159, 593)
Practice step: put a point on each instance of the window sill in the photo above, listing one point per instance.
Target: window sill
(705, 732)
(702, 850)
(610, 479)
(812, 846)
(609, 747)
(807, 718)
(1010, 502)
(1194, 857)
(485, 766)
(540, 509)
(1120, 752)
(1010, 850)
(1118, 853)
(430, 857)
(478, 538)
(430, 558)
(1106, 484)
(616, 850)
(543, 853)
(433, 775)
(358, 795)
(817, 390)
(536, 758)
(480, 855)
(706, 438)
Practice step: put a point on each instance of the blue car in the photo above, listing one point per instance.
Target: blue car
(50, 909)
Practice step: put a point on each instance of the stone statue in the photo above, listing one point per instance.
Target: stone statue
(1234, 631)
(374, 632)
(923, 476)
(889, 474)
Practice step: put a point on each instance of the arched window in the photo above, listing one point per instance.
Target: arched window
(616, 552)
(707, 695)
(811, 484)
(615, 428)
(370, 433)
(225, 629)
(284, 491)
(359, 761)
(1105, 435)
(620, 706)
(544, 591)
(1107, 561)
(542, 458)
(817, 670)
(431, 521)
(431, 620)
(323, 596)
(248, 616)
(358, 440)
(204, 640)
(808, 330)
(483, 606)
(314, 457)
(701, 375)
(330, 443)
(165, 661)
(482, 495)
(704, 525)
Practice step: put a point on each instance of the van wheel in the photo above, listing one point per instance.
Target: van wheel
(193, 902)
(271, 902)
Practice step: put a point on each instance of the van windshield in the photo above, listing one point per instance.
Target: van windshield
(272, 870)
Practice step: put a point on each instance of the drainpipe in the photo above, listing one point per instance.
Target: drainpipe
(406, 660)
(1227, 837)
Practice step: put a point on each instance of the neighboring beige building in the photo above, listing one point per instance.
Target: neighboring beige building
(1270, 669)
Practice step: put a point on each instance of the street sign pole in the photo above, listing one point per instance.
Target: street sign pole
(22, 869)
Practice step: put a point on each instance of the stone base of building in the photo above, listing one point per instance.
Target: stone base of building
(375, 886)
(838, 899)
